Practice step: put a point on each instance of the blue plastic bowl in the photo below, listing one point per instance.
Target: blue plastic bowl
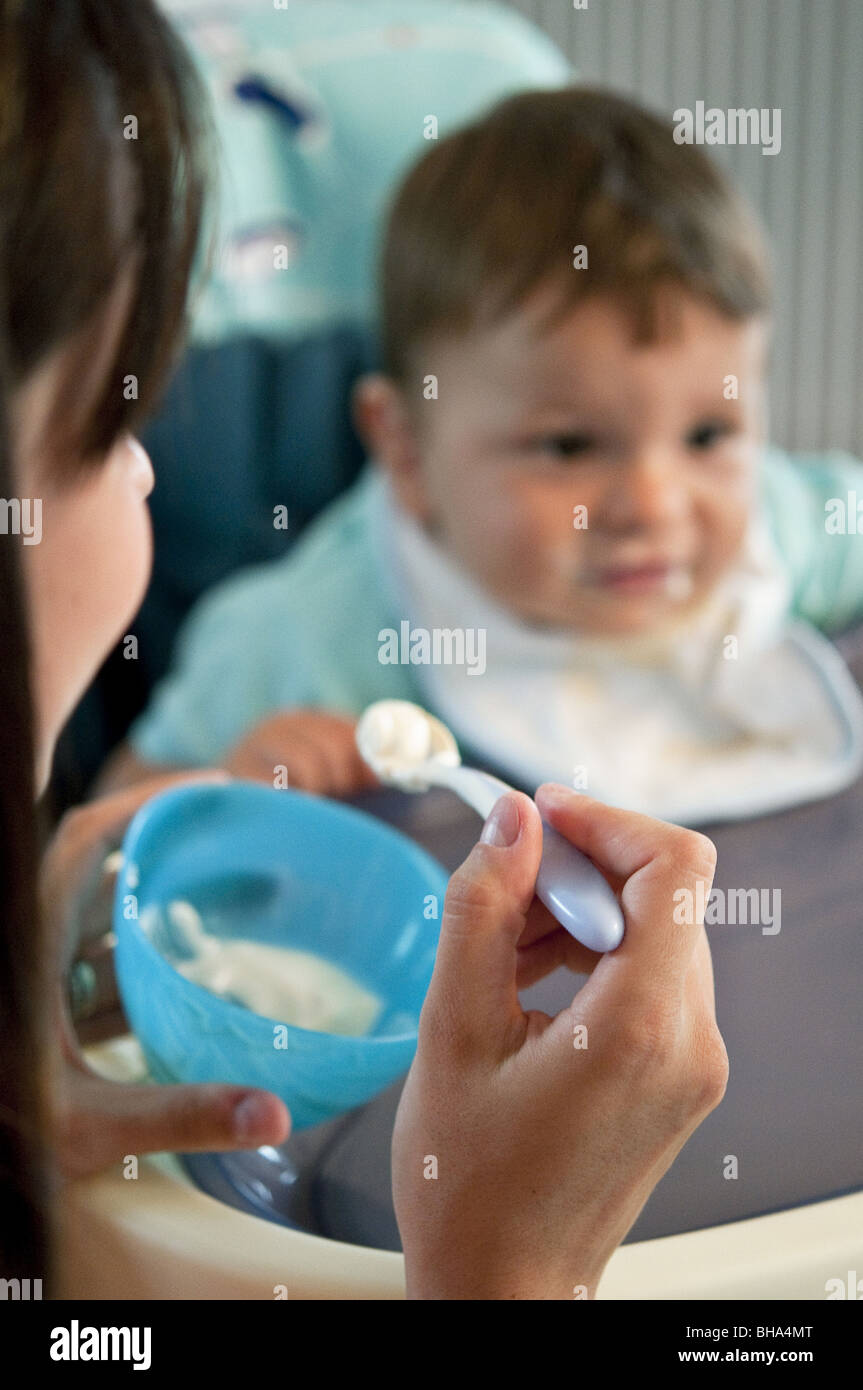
(288, 869)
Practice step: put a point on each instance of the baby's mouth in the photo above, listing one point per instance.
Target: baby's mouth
(658, 578)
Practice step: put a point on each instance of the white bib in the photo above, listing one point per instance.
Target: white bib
(667, 724)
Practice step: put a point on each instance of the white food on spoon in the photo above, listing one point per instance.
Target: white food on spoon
(411, 749)
(397, 738)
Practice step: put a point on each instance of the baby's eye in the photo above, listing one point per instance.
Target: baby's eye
(705, 436)
(566, 446)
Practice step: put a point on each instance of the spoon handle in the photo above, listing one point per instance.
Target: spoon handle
(570, 885)
(575, 892)
(479, 789)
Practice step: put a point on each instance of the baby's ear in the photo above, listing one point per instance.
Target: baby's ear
(384, 422)
(367, 406)
(378, 412)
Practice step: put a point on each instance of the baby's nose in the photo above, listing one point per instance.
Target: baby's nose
(648, 491)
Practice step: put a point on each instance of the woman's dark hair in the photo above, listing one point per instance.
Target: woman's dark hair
(102, 180)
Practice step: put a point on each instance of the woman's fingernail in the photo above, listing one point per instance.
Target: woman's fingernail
(251, 1117)
(503, 824)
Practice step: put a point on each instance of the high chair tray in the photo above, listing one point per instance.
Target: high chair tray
(788, 1003)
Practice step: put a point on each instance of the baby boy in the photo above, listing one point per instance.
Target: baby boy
(573, 543)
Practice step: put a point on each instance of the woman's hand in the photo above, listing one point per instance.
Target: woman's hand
(525, 1146)
(99, 1122)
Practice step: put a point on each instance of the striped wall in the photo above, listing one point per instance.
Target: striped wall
(805, 57)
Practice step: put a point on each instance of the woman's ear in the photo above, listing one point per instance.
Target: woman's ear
(385, 425)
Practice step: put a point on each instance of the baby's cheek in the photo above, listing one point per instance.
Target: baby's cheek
(534, 566)
(722, 542)
(553, 551)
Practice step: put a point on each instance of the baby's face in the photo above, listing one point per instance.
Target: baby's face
(587, 482)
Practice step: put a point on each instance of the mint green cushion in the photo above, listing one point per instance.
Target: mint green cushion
(344, 90)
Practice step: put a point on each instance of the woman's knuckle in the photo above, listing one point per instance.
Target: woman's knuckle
(468, 897)
(711, 1069)
(699, 852)
(697, 1076)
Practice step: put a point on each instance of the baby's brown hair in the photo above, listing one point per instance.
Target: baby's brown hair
(497, 209)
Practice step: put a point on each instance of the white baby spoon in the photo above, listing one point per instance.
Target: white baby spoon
(408, 748)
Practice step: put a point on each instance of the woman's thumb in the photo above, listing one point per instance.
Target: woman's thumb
(484, 915)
